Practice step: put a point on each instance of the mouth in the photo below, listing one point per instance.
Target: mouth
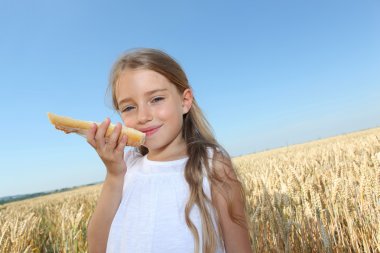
(150, 131)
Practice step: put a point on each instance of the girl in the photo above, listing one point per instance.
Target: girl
(179, 191)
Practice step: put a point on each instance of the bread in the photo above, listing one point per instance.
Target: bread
(81, 127)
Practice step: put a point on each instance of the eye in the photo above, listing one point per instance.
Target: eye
(157, 99)
(127, 109)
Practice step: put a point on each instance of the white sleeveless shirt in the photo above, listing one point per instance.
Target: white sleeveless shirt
(151, 215)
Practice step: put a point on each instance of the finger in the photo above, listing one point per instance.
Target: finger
(90, 136)
(122, 143)
(102, 129)
(112, 141)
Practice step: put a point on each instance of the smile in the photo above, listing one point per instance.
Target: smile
(151, 131)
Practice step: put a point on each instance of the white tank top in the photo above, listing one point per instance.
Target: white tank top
(151, 215)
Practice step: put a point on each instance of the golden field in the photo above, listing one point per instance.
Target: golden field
(322, 196)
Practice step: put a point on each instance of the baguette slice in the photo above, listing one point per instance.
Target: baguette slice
(81, 127)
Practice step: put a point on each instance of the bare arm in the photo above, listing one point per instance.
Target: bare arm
(112, 155)
(100, 223)
(235, 236)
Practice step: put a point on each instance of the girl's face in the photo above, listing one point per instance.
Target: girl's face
(151, 104)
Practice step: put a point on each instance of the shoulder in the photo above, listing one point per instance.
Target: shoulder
(222, 165)
(226, 188)
(223, 177)
(228, 197)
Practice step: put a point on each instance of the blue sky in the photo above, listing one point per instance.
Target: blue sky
(266, 74)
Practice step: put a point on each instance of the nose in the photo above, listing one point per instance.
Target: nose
(144, 114)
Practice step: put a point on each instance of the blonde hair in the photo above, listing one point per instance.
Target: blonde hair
(198, 136)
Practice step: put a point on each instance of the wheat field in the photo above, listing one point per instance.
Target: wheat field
(322, 196)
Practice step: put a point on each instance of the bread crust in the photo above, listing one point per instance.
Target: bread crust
(81, 127)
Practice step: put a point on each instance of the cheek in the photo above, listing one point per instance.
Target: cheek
(128, 121)
(162, 114)
(169, 113)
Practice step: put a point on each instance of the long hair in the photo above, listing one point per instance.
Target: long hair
(199, 138)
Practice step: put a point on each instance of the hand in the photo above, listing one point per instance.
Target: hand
(110, 150)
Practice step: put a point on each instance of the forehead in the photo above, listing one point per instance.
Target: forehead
(139, 82)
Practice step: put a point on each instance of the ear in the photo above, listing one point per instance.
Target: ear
(187, 100)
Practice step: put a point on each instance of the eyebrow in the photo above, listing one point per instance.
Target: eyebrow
(146, 94)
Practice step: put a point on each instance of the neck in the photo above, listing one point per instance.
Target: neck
(169, 154)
